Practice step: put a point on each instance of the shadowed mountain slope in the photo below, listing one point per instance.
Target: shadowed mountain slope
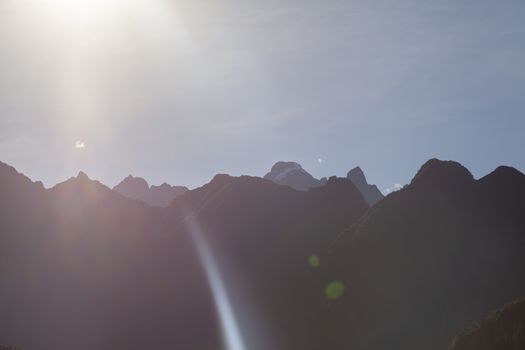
(86, 268)
(98, 270)
(502, 330)
(77, 267)
(431, 258)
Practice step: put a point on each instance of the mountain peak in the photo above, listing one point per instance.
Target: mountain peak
(82, 176)
(138, 188)
(221, 179)
(370, 192)
(357, 176)
(82, 186)
(506, 171)
(442, 173)
(133, 181)
(504, 176)
(293, 175)
(282, 165)
(281, 169)
(81, 179)
(505, 182)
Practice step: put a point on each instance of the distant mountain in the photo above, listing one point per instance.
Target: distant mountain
(370, 192)
(292, 174)
(138, 188)
(502, 330)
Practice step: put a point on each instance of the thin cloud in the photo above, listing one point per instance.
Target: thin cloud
(80, 145)
(394, 188)
(320, 160)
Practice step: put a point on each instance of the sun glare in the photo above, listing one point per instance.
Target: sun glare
(90, 45)
(94, 13)
(74, 10)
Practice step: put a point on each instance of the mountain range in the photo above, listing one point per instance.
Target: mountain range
(85, 267)
(292, 174)
(138, 188)
(283, 173)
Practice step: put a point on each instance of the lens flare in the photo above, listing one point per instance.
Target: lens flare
(230, 328)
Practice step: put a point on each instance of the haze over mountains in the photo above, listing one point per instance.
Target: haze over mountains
(138, 188)
(292, 174)
(283, 173)
(85, 267)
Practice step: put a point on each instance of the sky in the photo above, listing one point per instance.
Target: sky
(179, 90)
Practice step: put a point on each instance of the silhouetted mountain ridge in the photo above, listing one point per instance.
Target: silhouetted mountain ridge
(84, 267)
(138, 188)
(442, 174)
(433, 257)
(12, 179)
(292, 174)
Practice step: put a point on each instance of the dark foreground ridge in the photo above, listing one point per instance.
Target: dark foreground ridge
(83, 267)
(502, 330)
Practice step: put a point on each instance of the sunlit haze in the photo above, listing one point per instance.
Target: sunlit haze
(179, 90)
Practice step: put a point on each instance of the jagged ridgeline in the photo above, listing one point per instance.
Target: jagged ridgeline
(293, 174)
(85, 267)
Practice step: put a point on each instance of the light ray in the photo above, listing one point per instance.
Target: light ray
(229, 325)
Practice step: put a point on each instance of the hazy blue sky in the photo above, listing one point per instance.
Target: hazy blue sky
(180, 90)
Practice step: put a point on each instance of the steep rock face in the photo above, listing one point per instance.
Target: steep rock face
(370, 192)
(502, 330)
(138, 188)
